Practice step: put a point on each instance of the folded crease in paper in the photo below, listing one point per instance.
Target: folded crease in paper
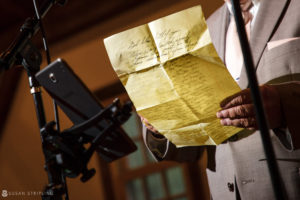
(174, 76)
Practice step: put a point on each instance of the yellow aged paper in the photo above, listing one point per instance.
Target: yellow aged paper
(174, 77)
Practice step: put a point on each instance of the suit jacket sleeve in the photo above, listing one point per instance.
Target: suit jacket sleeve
(162, 149)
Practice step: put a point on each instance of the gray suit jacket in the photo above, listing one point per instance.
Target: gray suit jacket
(243, 159)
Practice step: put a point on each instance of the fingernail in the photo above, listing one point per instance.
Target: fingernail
(223, 122)
(218, 114)
(226, 122)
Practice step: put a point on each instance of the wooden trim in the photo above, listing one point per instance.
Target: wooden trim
(107, 186)
(165, 184)
(146, 191)
(193, 186)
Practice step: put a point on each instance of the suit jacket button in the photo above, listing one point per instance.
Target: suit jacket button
(230, 187)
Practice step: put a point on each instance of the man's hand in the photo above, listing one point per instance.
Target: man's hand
(238, 109)
(148, 125)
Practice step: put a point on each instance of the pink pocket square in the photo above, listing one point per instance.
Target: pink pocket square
(277, 43)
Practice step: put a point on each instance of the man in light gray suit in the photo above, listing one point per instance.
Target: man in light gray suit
(238, 168)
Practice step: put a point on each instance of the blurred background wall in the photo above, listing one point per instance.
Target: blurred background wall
(76, 32)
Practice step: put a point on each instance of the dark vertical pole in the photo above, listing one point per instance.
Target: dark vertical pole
(256, 97)
(38, 103)
(54, 172)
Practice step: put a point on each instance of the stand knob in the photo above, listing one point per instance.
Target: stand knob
(87, 175)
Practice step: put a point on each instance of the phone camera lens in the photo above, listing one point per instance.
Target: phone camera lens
(52, 77)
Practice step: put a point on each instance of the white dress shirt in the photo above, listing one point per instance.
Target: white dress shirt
(235, 72)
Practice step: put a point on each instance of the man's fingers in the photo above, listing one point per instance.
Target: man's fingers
(249, 123)
(148, 125)
(243, 97)
(241, 111)
(242, 116)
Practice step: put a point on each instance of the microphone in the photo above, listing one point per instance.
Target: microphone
(62, 2)
(12, 56)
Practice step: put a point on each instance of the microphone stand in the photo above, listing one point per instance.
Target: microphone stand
(257, 100)
(22, 51)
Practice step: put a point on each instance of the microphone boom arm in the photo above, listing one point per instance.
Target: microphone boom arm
(11, 56)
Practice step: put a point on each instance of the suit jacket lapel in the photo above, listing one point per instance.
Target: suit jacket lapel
(217, 28)
(224, 26)
(264, 27)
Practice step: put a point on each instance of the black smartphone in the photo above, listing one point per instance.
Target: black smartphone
(79, 104)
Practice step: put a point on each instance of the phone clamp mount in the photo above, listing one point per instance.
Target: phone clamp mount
(65, 152)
